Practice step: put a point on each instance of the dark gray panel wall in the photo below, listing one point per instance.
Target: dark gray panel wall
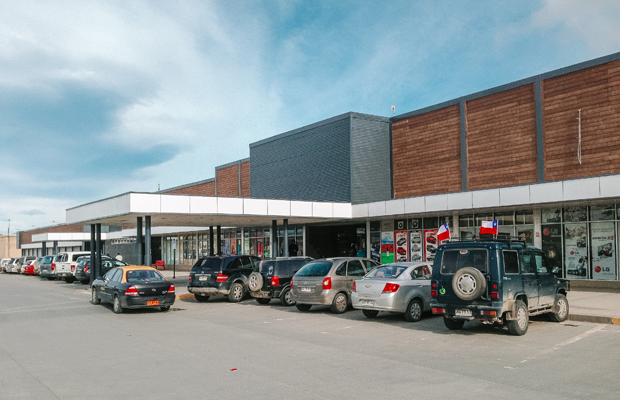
(370, 159)
(310, 163)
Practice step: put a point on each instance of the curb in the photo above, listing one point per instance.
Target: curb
(595, 319)
(185, 296)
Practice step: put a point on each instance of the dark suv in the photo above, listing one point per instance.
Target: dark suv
(496, 282)
(221, 276)
(272, 279)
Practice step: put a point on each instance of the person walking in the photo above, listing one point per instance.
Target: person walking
(119, 257)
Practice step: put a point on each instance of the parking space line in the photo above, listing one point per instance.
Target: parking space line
(579, 337)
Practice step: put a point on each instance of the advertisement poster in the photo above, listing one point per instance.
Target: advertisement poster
(415, 245)
(603, 244)
(226, 246)
(401, 246)
(576, 251)
(266, 248)
(430, 244)
(552, 244)
(260, 251)
(387, 247)
(375, 246)
(233, 246)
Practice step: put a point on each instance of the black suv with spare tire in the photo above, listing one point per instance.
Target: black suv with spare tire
(272, 279)
(501, 282)
(221, 276)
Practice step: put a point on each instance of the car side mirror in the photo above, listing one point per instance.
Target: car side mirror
(555, 271)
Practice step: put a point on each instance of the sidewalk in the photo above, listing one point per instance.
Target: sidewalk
(597, 307)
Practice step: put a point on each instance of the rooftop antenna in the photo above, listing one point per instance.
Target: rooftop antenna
(394, 110)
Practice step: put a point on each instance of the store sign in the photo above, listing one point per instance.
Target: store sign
(387, 226)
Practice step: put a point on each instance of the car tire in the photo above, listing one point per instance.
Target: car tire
(263, 301)
(453, 324)
(413, 313)
(303, 307)
(165, 308)
(469, 283)
(116, 305)
(50, 278)
(85, 281)
(236, 293)
(255, 282)
(94, 296)
(286, 297)
(340, 303)
(370, 313)
(561, 304)
(519, 325)
(69, 279)
(201, 299)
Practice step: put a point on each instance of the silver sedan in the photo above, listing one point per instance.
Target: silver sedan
(403, 287)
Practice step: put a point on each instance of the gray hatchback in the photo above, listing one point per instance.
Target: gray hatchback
(328, 282)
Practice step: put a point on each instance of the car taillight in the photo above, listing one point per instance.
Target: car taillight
(354, 287)
(275, 281)
(85, 270)
(390, 288)
(131, 291)
(221, 278)
(327, 283)
(291, 283)
(72, 268)
(433, 293)
(171, 289)
(190, 278)
(490, 313)
(53, 266)
(494, 295)
(439, 311)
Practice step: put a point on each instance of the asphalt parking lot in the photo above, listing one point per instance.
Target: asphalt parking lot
(54, 344)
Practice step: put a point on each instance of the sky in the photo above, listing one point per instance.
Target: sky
(99, 98)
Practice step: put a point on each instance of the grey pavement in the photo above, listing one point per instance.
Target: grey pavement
(54, 344)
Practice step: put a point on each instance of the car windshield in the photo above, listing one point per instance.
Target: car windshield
(453, 260)
(144, 276)
(208, 264)
(319, 268)
(82, 261)
(392, 271)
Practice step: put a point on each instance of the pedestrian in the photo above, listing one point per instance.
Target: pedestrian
(293, 249)
(353, 250)
(119, 257)
(361, 252)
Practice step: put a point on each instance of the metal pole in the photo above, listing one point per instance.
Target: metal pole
(274, 238)
(147, 240)
(219, 240)
(211, 252)
(285, 238)
(98, 255)
(92, 254)
(174, 263)
(139, 248)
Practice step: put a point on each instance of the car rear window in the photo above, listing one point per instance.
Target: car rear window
(208, 264)
(319, 268)
(144, 276)
(453, 260)
(47, 259)
(387, 272)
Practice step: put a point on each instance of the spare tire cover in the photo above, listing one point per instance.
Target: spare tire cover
(255, 282)
(469, 283)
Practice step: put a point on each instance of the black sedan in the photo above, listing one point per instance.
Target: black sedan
(133, 287)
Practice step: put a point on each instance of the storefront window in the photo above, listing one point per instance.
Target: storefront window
(575, 214)
(552, 245)
(505, 219)
(576, 250)
(466, 221)
(483, 217)
(551, 215)
(524, 218)
(603, 245)
(602, 213)
(431, 223)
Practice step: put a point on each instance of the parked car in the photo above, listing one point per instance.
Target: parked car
(221, 276)
(29, 269)
(65, 269)
(133, 287)
(272, 279)
(397, 287)
(11, 267)
(47, 266)
(82, 269)
(496, 282)
(328, 282)
(4, 262)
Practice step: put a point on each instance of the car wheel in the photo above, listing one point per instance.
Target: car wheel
(236, 292)
(50, 278)
(286, 297)
(370, 313)
(519, 325)
(562, 307)
(94, 296)
(263, 301)
(200, 298)
(453, 324)
(165, 308)
(414, 311)
(339, 304)
(69, 279)
(255, 282)
(303, 307)
(116, 305)
(85, 281)
(469, 283)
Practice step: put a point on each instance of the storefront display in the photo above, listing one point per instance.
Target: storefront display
(387, 247)
(430, 244)
(602, 243)
(402, 253)
(576, 251)
(375, 246)
(552, 245)
(415, 245)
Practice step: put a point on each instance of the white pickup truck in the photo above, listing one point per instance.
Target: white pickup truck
(65, 268)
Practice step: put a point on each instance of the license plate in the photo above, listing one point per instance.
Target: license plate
(305, 289)
(152, 302)
(204, 278)
(463, 313)
(367, 302)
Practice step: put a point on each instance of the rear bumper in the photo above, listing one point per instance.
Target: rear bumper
(208, 291)
(324, 298)
(388, 303)
(140, 302)
(477, 311)
(62, 275)
(266, 294)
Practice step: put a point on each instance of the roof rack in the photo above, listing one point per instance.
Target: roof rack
(491, 238)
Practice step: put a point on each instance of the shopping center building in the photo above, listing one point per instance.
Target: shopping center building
(540, 155)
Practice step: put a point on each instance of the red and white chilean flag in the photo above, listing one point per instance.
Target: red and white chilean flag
(489, 227)
(443, 233)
